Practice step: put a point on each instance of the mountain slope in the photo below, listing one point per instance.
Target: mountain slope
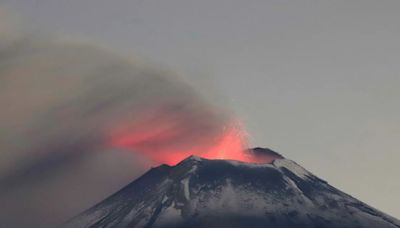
(220, 193)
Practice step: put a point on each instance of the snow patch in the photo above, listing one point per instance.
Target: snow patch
(164, 199)
(293, 167)
(252, 165)
(194, 158)
(185, 183)
(169, 214)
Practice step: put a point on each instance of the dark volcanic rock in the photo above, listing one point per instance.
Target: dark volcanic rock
(220, 193)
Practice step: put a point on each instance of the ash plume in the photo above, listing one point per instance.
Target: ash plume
(62, 102)
(65, 93)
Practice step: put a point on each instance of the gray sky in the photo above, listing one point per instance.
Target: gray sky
(317, 81)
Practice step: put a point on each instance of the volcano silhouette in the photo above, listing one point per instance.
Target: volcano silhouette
(199, 192)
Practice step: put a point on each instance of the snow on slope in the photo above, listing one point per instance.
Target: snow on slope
(218, 193)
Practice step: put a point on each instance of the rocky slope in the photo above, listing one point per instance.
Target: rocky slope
(220, 193)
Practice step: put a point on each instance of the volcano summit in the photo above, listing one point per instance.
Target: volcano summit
(199, 192)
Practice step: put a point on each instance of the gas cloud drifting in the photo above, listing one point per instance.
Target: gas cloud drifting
(64, 103)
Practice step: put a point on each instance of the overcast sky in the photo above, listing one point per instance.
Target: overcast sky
(317, 81)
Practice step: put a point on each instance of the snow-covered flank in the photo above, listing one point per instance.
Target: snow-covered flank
(292, 167)
(221, 193)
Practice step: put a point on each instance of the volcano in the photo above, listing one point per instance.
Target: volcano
(200, 192)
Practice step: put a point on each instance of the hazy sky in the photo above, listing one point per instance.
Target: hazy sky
(317, 81)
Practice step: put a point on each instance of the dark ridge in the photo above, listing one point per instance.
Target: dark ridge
(259, 151)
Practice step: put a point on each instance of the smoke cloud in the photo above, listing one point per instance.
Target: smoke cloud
(65, 106)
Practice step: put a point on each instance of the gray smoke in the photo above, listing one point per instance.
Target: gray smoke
(60, 104)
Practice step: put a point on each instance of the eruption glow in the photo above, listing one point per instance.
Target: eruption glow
(161, 143)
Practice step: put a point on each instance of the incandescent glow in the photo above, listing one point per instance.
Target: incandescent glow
(231, 145)
(161, 142)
